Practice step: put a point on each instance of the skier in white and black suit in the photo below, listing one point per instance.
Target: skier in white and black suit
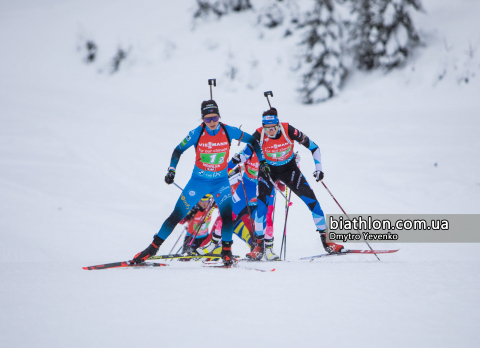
(276, 140)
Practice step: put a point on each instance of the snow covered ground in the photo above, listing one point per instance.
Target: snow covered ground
(83, 154)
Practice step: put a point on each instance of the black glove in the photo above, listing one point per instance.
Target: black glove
(236, 159)
(318, 175)
(170, 176)
(264, 167)
(190, 215)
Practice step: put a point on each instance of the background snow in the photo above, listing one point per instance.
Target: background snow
(83, 155)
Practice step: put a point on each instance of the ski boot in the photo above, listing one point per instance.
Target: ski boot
(227, 255)
(150, 251)
(207, 249)
(258, 249)
(189, 247)
(329, 247)
(269, 254)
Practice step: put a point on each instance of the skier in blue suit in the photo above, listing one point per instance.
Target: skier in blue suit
(212, 146)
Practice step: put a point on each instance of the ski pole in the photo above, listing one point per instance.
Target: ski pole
(210, 83)
(347, 216)
(284, 238)
(273, 213)
(266, 94)
(178, 186)
(181, 234)
(241, 137)
(276, 187)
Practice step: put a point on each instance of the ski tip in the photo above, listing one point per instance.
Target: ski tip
(273, 270)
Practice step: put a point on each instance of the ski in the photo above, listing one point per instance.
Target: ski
(212, 262)
(125, 264)
(346, 252)
(186, 257)
(241, 267)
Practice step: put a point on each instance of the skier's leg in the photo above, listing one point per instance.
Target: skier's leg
(189, 197)
(238, 199)
(187, 200)
(264, 190)
(223, 198)
(269, 253)
(224, 203)
(269, 218)
(242, 219)
(243, 229)
(296, 181)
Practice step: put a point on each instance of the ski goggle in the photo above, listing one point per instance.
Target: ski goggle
(210, 119)
(275, 128)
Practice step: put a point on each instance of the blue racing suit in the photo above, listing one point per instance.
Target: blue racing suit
(203, 182)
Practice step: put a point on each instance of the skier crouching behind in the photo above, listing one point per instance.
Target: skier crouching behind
(212, 146)
(197, 235)
(276, 140)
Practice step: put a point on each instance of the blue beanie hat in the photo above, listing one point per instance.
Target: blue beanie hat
(270, 117)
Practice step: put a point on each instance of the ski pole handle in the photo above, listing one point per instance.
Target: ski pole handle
(266, 94)
(210, 83)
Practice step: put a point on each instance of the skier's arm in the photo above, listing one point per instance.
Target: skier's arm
(190, 139)
(244, 137)
(303, 139)
(241, 157)
(191, 214)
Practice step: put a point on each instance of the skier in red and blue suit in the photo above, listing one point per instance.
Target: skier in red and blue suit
(212, 145)
(249, 159)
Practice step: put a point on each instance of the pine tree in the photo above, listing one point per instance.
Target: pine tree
(382, 32)
(322, 67)
(220, 7)
(275, 13)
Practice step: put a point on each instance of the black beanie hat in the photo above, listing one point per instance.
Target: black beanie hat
(209, 107)
(272, 111)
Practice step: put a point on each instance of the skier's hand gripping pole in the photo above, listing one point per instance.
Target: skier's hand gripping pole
(170, 176)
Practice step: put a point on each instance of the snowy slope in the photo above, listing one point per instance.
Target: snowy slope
(83, 154)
